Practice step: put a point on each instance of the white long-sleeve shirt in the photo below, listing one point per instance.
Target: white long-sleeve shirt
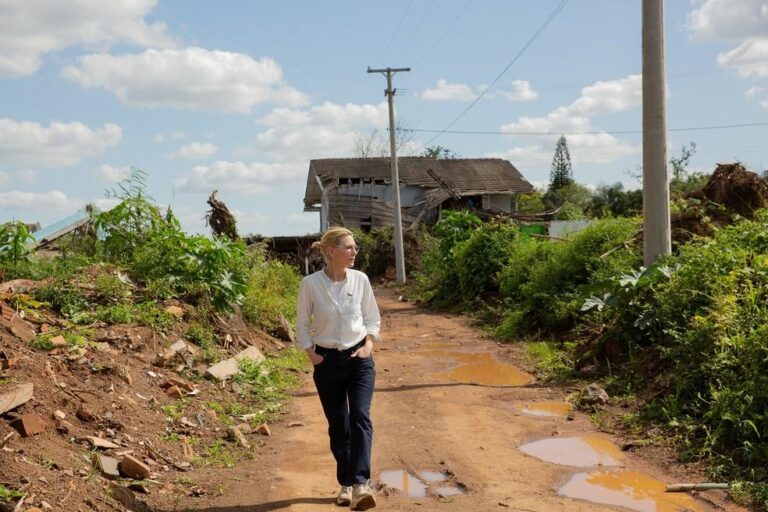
(341, 319)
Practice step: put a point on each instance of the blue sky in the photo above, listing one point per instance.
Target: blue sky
(239, 95)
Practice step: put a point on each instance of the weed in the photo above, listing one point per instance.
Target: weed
(9, 495)
(552, 363)
(176, 409)
(217, 454)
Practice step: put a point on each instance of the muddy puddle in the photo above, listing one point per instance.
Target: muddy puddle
(583, 451)
(481, 368)
(420, 485)
(547, 409)
(628, 489)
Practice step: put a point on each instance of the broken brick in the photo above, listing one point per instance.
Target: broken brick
(263, 429)
(174, 392)
(107, 466)
(85, 415)
(133, 468)
(29, 425)
(58, 341)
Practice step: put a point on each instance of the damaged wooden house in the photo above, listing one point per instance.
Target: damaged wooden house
(357, 193)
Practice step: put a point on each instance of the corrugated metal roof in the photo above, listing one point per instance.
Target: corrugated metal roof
(475, 175)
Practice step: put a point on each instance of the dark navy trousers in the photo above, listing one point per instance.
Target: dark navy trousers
(345, 386)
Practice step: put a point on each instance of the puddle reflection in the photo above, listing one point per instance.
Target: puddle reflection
(628, 489)
(482, 368)
(548, 409)
(586, 451)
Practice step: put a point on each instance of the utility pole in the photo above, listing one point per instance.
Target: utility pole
(390, 93)
(656, 218)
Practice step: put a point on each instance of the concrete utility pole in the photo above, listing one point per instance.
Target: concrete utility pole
(390, 93)
(656, 218)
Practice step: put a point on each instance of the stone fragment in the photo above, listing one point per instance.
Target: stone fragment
(174, 392)
(175, 311)
(99, 442)
(263, 429)
(29, 425)
(133, 468)
(296, 424)
(21, 330)
(595, 395)
(58, 341)
(15, 396)
(107, 466)
(229, 367)
(237, 436)
(85, 414)
(285, 331)
(59, 415)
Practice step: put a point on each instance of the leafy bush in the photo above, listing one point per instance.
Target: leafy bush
(14, 242)
(157, 252)
(480, 257)
(271, 291)
(698, 329)
(438, 280)
(544, 281)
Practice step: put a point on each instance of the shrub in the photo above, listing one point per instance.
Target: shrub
(271, 291)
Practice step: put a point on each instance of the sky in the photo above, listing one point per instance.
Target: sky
(238, 96)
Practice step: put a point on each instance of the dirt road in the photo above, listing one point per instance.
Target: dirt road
(432, 424)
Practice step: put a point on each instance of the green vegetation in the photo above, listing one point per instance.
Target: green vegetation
(8, 495)
(683, 343)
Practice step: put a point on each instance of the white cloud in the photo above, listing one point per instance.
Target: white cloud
(189, 79)
(741, 21)
(764, 104)
(111, 174)
(105, 203)
(28, 144)
(53, 202)
(749, 59)
(31, 28)
(603, 97)
(328, 130)
(521, 91)
(194, 151)
(754, 91)
(728, 19)
(251, 222)
(253, 178)
(445, 91)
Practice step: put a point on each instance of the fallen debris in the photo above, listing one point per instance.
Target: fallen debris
(29, 425)
(696, 487)
(98, 442)
(236, 435)
(133, 468)
(229, 367)
(15, 397)
(263, 429)
(107, 466)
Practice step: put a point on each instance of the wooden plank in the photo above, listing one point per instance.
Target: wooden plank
(15, 397)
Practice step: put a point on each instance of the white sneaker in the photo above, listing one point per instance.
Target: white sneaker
(362, 497)
(345, 495)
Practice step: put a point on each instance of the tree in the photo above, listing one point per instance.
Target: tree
(439, 152)
(376, 143)
(561, 173)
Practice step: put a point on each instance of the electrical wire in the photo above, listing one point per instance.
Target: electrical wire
(535, 35)
(394, 34)
(610, 132)
(416, 30)
(445, 32)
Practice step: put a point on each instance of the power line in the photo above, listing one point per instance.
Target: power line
(610, 132)
(445, 32)
(536, 34)
(394, 34)
(416, 30)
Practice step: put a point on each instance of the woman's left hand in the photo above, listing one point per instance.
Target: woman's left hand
(365, 350)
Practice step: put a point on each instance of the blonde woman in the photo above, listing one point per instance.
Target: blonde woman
(346, 323)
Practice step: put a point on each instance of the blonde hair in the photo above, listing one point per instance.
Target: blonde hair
(331, 238)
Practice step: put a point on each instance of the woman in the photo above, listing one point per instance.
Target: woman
(346, 323)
